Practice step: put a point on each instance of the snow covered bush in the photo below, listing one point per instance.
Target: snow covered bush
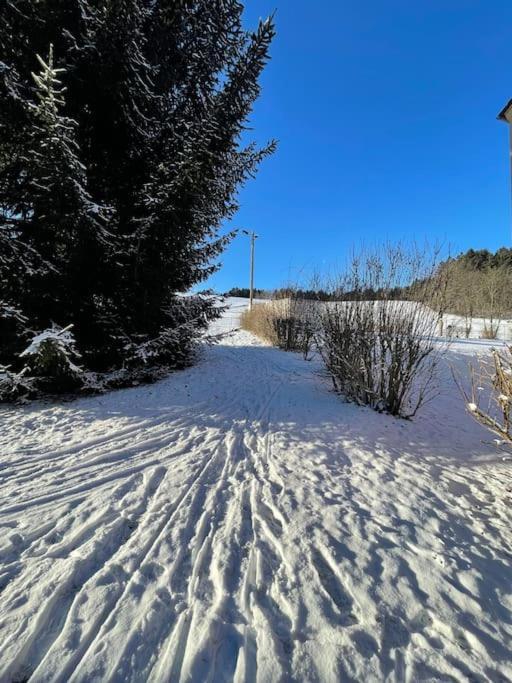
(489, 399)
(15, 386)
(379, 349)
(12, 331)
(51, 359)
(188, 318)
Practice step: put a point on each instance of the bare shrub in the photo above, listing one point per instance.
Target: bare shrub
(438, 294)
(490, 330)
(286, 323)
(494, 290)
(463, 294)
(378, 348)
(489, 398)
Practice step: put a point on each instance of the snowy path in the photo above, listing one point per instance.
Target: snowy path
(237, 521)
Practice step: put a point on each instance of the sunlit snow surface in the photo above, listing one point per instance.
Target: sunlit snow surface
(238, 521)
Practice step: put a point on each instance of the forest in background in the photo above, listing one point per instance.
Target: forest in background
(474, 283)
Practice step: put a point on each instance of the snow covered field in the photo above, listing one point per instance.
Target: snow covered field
(238, 521)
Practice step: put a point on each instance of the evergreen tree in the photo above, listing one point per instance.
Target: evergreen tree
(61, 223)
(140, 108)
(198, 165)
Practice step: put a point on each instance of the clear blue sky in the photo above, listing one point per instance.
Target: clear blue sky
(385, 113)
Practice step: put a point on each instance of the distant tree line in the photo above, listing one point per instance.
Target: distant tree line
(476, 283)
(282, 293)
(244, 293)
(483, 259)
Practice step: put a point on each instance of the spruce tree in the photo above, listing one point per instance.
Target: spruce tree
(64, 226)
(119, 164)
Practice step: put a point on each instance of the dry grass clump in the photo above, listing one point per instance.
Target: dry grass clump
(259, 321)
(490, 330)
(285, 323)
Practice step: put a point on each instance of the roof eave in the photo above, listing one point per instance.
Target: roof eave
(502, 116)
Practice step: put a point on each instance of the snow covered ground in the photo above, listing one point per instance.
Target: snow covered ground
(456, 324)
(238, 521)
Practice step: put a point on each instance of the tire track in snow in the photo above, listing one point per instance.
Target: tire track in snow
(263, 526)
(195, 487)
(182, 578)
(103, 481)
(50, 620)
(177, 640)
(46, 536)
(140, 455)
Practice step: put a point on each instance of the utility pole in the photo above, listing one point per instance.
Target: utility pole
(506, 116)
(253, 237)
